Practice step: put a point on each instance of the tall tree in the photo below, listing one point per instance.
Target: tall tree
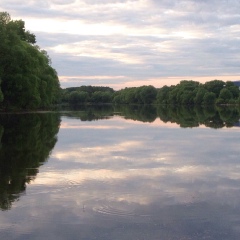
(27, 78)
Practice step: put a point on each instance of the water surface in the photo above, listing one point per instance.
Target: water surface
(109, 175)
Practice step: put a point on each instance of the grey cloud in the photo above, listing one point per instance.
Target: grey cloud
(214, 51)
(215, 6)
(195, 53)
(211, 14)
(107, 1)
(63, 2)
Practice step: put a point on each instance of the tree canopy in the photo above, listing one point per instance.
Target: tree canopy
(195, 93)
(87, 94)
(27, 79)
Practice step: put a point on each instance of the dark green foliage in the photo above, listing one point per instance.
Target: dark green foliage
(209, 98)
(87, 94)
(183, 93)
(101, 97)
(215, 86)
(186, 93)
(163, 94)
(147, 94)
(198, 100)
(193, 93)
(136, 95)
(76, 97)
(225, 94)
(27, 79)
(234, 90)
(126, 96)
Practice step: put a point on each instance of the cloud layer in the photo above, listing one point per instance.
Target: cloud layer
(143, 41)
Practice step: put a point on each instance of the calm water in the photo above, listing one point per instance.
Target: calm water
(119, 175)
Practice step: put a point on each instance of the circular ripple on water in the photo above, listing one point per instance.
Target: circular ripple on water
(111, 210)
(118, 211)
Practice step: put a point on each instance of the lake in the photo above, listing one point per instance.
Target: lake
(120, 173)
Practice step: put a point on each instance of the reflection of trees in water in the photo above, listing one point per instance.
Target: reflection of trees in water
(185, 116)
(89, 112)
(143, 113)
(213, 117)
(26, 142)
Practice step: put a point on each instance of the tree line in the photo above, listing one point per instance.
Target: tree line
(185, 93)
(27, 79)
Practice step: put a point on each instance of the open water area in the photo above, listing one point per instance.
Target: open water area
(119, 175)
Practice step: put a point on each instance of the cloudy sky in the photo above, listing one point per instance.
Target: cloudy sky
(123, 43)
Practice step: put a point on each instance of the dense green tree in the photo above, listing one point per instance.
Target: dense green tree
(198, 100)
(215, 86)
(130, 95)
(73, 97)
(163, 95)
(172, 97)
(127, 96)
(181, 94)
(234, 90)
(27, 78)
(78, 97)
(209, 98)
(136, 95)
(117, 98)
(83, 96)
(87, 94)
(225, 94)
(101, 97)
(147, 94)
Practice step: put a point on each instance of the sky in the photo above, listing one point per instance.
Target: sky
(130, 43)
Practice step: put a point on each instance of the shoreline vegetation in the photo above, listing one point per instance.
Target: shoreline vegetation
(187, 93)
(28, 82)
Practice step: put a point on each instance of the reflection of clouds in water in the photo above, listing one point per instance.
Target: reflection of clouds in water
(92, 153)
(141, 163)
(140, 181)
(142, 185)
(101, 213)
